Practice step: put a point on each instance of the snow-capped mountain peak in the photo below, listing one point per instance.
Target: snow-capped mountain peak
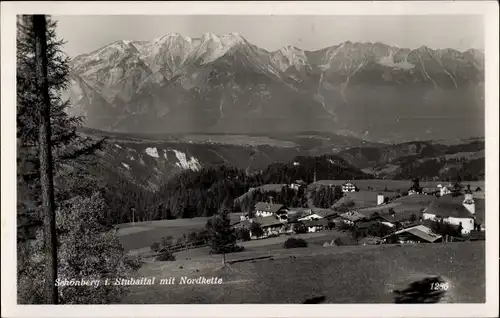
(213, 47)
(219, 82)
(289, 56)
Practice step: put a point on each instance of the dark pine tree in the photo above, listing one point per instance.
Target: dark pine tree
(222, 236)
(66, 144)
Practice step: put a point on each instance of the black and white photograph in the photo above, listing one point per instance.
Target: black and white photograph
(234, 159)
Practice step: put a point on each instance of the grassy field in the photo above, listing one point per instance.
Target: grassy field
(351, 274)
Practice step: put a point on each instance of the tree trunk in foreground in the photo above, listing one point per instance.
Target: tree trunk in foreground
(46, 166)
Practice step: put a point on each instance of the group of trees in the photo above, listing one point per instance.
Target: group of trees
(325, 197)
(444, 228)
(54, 186)
(326, 167)
(222, 236)
(286, 196)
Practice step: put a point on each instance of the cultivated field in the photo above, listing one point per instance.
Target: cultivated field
(351, 274)
(238, 140)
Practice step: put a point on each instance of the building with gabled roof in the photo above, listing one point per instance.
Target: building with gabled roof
(453, 210)
(352, 217)
(315, 225)
(415, 234)
(348, 187)
(264, 209)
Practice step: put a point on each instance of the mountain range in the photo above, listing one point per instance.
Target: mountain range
(225, 84)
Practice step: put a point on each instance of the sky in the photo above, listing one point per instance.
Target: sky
(87, 33)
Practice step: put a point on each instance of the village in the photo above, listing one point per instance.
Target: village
(441, 213)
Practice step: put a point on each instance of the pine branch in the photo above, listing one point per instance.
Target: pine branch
(86, 150)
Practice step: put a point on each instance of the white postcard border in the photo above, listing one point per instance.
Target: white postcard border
(489, 9)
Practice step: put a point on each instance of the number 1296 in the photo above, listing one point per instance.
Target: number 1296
(439, 286)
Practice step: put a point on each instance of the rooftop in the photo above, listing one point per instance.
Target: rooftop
(324, 212)
(264, 206)
(268, 221)
(420, 231)
(361, 199)
(449, 206)
(320, 222)
(353, 216)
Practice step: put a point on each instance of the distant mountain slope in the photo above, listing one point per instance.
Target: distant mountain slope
(148, 160)
(176, 84)
(426, 160)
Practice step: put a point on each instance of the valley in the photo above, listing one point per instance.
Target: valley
(150, 159)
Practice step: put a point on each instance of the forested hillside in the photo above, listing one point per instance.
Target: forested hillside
(202, 192)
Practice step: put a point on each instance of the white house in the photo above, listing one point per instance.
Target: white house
(443, 190)
(453, 210)
(380, 199)
(348, 187)
(264, 209)
(315, 225)
(309, 217)
(297, 185)
(468, 202)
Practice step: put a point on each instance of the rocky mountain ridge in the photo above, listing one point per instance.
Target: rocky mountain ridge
(226, 84)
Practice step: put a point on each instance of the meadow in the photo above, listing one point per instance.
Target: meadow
(350, 274)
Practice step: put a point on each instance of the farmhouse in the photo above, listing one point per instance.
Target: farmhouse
(263, 209)
(404, 218)
(325, 213)
(297, 185)
(361, 199)
(312, 216)
(431, 191)
(443, 190)
(348, 187)
(315, 225)
(352, 217)
(296, 213)
(454, 210)
(414, 234)
(269, 226)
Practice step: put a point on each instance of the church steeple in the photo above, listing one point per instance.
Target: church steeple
(468, 201)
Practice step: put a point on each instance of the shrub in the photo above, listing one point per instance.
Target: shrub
(256, 229)
(165, 255)
(379, 230)
(295, 242)
(338, 241)
(133, 262)
(86, 249)
(443, 228)
(243, 234)
(345, 227)
(167, 241)
(331, 225)
(155, 247)
(299, 228)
